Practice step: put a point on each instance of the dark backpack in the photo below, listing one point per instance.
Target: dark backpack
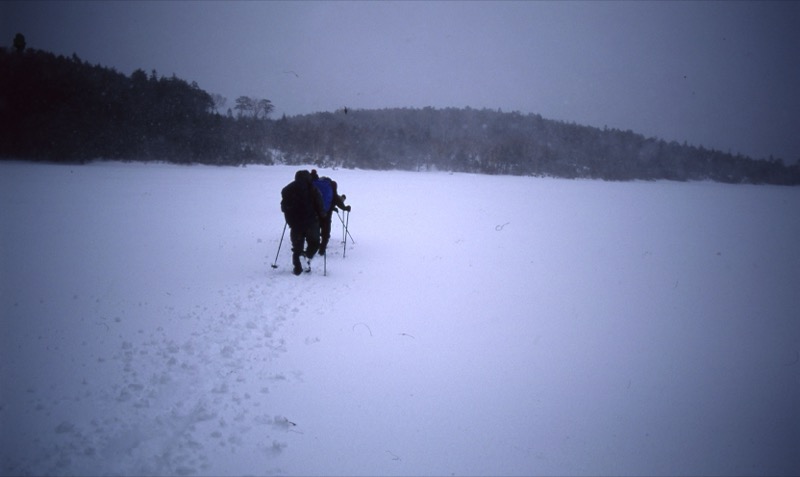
(325, 188)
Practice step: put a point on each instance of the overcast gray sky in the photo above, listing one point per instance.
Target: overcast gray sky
(723, 75)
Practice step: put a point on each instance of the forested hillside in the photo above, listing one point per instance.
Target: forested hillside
(494, 142)
(64, 109)
(59, 109)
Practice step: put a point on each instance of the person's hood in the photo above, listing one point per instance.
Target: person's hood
(303, 177)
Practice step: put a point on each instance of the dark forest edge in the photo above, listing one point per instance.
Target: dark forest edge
(65, 110)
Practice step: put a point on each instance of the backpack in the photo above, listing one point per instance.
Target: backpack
(325, 188)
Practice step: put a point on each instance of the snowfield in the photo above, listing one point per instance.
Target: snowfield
(479, 325)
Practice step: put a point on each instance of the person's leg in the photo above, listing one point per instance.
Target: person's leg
(312, 239)
(296, 235)
(325, 229)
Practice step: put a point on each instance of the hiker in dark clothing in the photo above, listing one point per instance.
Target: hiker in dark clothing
(330, 200)
(301, 204)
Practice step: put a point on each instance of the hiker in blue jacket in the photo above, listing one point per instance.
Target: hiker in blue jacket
(301, 205)
(330, 200)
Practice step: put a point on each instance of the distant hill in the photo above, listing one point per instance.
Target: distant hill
(59, 109)
(494, 142)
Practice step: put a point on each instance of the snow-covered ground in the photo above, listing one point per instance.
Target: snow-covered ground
(478, 325)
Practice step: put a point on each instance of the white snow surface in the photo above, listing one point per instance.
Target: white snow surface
(478, 325)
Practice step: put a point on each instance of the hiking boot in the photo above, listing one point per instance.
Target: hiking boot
(297, 270)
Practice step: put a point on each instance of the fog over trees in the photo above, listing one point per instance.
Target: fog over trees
(59, 109)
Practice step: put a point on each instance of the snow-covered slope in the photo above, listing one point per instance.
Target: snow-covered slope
(478, 325)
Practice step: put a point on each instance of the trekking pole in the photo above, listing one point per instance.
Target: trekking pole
(275, 265)
(344, 228)
(344, 254)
